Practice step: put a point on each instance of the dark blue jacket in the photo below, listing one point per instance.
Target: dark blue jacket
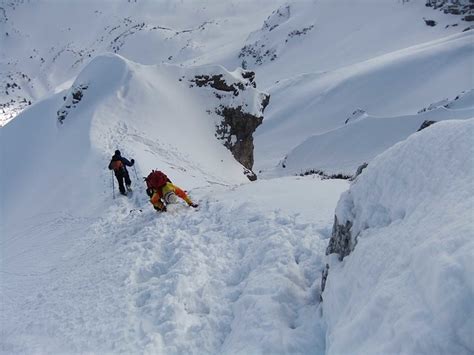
(125, 163)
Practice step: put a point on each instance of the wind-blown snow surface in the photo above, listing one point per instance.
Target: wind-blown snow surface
(408, 287)
(343, 149)
(239, 275)
(395, 84)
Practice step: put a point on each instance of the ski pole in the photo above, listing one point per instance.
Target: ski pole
(113, 187)
(135, 170)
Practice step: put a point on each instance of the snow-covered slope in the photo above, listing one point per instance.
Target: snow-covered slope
(45, 43)
(396, 84)
(344, 149)
(82, 272)
(407, 287)
(238, 275)
(36, 62)
(114, 104)
(325, 35)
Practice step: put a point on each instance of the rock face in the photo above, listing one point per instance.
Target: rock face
(324, 276)
(454, 7)
(240, 125)
(425, 124)
(218, 82)
(341, 241)
(359, 170)
(357, 114)
(430, 23)
(73, 98)
(239, 107)
(277, 32)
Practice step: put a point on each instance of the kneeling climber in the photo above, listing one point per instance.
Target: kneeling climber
(163, 192)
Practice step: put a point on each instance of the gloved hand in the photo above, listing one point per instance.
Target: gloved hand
(194, 205)
(149, 192)
(132, 161)
(158, 209)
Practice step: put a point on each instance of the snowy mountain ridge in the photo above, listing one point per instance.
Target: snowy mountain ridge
(322, 85)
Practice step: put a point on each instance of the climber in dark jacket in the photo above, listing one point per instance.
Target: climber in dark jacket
(119, 165)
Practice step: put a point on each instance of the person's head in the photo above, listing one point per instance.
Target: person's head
(117, 152)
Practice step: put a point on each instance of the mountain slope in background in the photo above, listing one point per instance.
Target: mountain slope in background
(35, 63)
(319, 71)
(396, 84)
(344, 149)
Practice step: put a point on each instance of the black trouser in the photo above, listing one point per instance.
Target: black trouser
(121, 175)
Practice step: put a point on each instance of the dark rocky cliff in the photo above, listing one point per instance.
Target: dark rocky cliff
(240, 108)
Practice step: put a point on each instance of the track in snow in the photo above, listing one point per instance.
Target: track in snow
(229, 277)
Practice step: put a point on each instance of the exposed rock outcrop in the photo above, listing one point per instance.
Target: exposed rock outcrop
(240, 108)
(71, 100)
(266, 44)
(425, 124)
(453, 7)
(357, 114)
(430, 23)
(359, 170)
(324, 175)
(324, 276)
(240, 125)
(217, 82)
(341, 242)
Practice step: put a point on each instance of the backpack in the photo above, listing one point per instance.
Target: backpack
(117, 165)
(156, 179)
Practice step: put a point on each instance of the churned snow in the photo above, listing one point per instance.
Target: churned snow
(239, 275)
(408, 287)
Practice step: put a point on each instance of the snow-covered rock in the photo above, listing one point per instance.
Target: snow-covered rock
(240, 106)
(453, 7)
(407, 285)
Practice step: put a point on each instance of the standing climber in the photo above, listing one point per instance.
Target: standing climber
(119, 165)
(163, 192)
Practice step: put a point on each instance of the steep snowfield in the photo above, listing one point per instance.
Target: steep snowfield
(326, 35)
(137, 109)
(239, 275)
(343, 150)
(407, 287)
(396, 84)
